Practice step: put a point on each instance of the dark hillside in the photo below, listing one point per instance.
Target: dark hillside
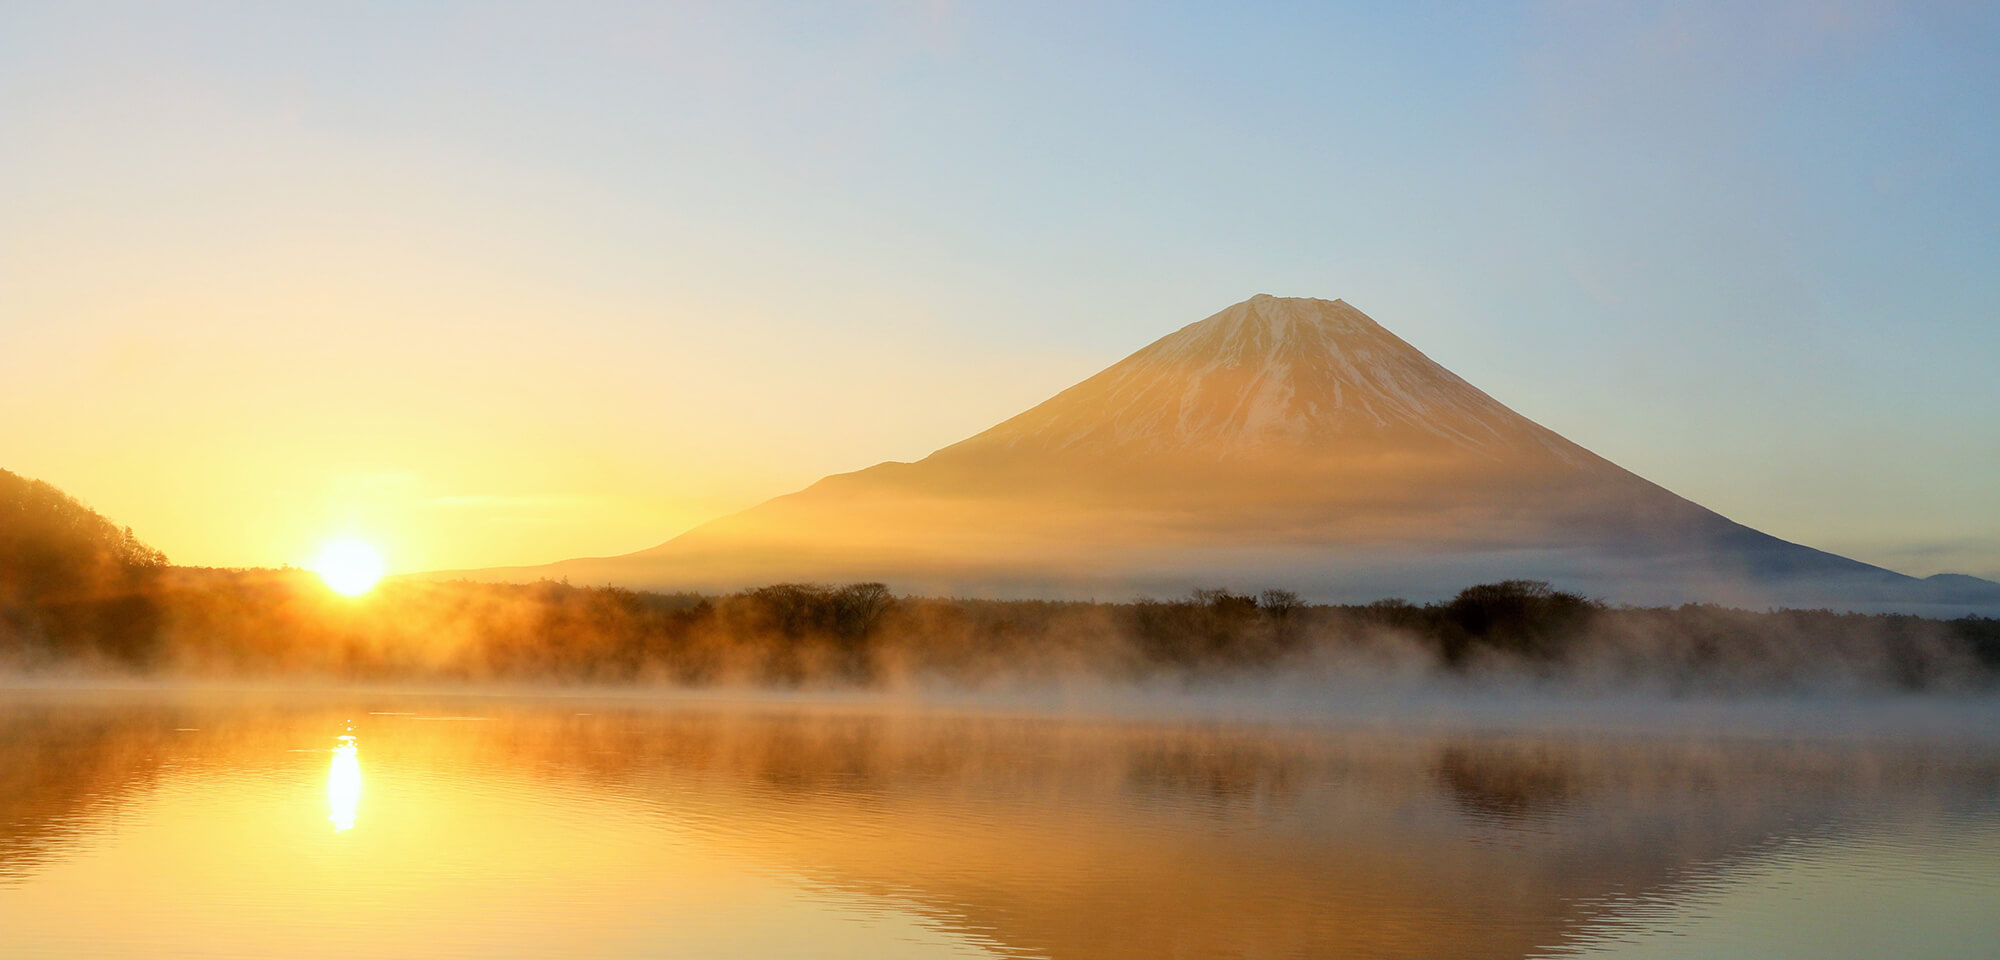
(71, 582)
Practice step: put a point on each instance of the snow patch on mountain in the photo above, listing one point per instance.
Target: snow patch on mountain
(1274, 370)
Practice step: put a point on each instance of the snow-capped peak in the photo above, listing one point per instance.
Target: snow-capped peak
(1271, 370)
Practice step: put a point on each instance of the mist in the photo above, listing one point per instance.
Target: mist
(1515, 638)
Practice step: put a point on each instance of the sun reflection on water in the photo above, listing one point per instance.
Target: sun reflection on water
(343, 785)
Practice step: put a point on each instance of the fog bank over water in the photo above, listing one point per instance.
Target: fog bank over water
(280, 626)
(1415, 707)
(82, 597)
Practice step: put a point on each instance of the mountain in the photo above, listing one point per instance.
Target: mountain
(52, 546)
(1282, 442)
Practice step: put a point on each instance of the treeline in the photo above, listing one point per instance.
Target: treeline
(73, 578)
(79, 592)
(285, 624)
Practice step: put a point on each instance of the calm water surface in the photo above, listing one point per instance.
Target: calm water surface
(350, 825)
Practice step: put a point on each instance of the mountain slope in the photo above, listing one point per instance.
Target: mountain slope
(1267, 372)
(1280, 442)
(51, 545)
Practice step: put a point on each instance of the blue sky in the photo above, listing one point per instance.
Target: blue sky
(533, 280)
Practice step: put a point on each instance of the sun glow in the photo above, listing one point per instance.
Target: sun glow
(349, 567)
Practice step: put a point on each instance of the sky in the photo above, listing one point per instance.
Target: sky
(505, 283)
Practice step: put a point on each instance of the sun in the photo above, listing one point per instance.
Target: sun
(349, 567)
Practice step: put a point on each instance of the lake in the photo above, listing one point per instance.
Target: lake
(304, 824)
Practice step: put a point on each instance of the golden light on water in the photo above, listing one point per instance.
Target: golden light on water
(343, 785)
(349, 567)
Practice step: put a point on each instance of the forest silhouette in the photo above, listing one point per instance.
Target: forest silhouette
(79, 592)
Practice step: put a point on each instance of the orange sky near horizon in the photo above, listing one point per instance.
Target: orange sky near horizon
(464, 443)
(503, 286)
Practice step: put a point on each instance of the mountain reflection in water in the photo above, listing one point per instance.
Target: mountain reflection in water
(541, 827)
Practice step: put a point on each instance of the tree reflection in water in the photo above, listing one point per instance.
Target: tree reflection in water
(1043, 837)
